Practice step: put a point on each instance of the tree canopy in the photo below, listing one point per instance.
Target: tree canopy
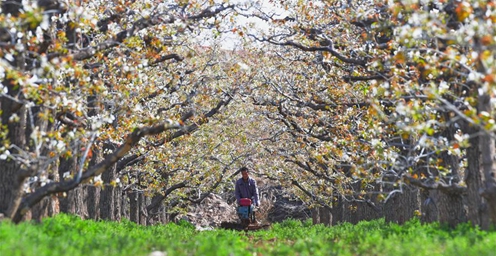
(339, 101)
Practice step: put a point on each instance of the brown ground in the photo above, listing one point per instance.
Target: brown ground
(276, 206)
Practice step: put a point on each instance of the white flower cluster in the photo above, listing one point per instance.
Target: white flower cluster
(99, 120)
(5, 153)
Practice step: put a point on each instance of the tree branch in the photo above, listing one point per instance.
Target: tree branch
(446, 188)
(131, 140)
(328, 48)
(140, 24)
(174, 56)
(158, 199)
(365, 78)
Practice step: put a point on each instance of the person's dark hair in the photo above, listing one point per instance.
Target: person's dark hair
(243, 169)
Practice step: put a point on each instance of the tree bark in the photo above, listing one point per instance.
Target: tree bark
(401, 207)
(473, 178)
(450, 204)
(93, 201)
(143, 216)
(325, 216)
(107, 203)
(155, 208)
(488, 165)
(428, 207)
(75, 203)
(315, 215)
(350, 212)
(451, 209)
(8, 185)
(370, 208)
(337, 210)
(134, 208)
(68, 204)
(164, 216)
(48, 207)
(118, 203)
(125, 209)
(107, 198)
(11, 183)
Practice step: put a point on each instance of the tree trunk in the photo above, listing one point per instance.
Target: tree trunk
(11, 184)
(142, 209)
(164, 216)
(337, 210)
(325, 216)
(155, 208)
(451, 209)
(315, 215)
(125, 208)
(48, 207)
(8, 185)
(488, 164)
(429, 207)
(360, 208)
(69, 204)
(450, 204)
(350, 207)
(107, 203)
(134, 206)
(118, 203)
(110, 203)
(108, 200)
(370, 208)
(401, 207)
(75, 203)
(349, 211)
(93, 201)
(473, 178)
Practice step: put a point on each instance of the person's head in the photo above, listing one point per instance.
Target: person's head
(244, 172)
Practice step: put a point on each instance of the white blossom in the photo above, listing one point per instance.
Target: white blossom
(5, 155)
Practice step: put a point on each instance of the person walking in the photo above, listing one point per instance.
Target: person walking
(246, 187)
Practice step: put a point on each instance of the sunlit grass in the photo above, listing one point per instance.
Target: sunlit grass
(69, 235)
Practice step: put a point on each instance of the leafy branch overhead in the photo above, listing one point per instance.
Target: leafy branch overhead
(131, 140)
(77, 81)
(351, 105)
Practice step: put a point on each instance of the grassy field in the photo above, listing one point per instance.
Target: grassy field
(68, 235)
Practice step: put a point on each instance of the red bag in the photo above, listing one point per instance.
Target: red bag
(245, 202)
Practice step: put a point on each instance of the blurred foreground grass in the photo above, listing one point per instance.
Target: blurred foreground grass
(69, 235)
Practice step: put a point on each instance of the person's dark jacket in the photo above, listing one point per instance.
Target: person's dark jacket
(247, 189)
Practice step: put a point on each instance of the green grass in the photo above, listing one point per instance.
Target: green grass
(69, 235)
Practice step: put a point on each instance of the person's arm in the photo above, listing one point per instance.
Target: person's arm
(255, 193)
(237, 192)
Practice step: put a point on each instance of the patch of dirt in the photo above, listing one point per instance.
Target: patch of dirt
(276, 206)
(211, 212)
